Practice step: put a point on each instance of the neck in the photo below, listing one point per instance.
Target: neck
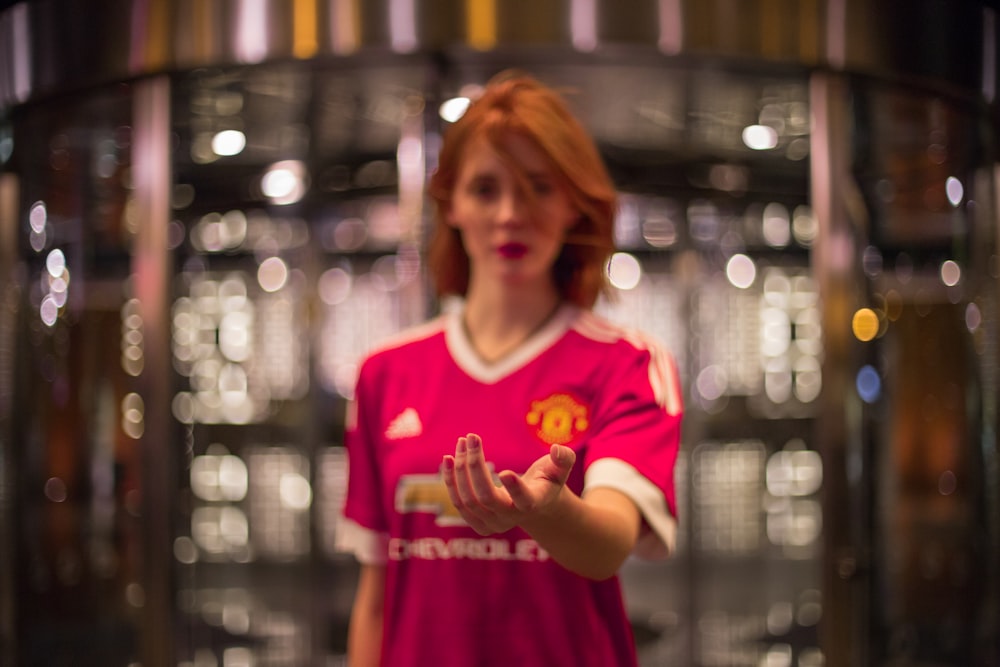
(497, 325)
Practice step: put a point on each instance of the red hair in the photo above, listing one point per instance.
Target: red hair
(516, 103)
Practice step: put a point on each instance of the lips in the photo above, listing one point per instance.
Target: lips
(512, 250)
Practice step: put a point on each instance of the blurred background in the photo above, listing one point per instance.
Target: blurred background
(210, 209)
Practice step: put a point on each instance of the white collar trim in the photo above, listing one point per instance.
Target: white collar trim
(468, 360)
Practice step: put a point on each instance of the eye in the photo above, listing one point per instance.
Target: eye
(484, 188)
(542, 186)
(542, 183)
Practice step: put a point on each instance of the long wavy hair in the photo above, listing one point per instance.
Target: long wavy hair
(515, 103)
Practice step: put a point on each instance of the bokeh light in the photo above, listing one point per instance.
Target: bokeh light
(868, 384)
(284, 182)
(951, 273)
(229, 142)
(865, 324)
(453, 109)
(624, 271)
(955, 190)
(741, 271)
(760, 137)
(272, 274)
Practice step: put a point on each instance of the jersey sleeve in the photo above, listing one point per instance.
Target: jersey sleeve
(636, 438)
(364, 526)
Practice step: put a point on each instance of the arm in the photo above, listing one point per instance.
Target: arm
(591, 535)
(364, 634)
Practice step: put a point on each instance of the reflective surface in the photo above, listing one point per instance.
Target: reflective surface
(52, 46)
(928, 387)
(836, 430)
(73, 432)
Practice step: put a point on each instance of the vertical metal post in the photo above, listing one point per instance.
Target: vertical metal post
(151, 168)
(9, 187)
(411, 158)
(839, 433)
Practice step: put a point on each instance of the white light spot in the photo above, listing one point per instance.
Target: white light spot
(295, 491)
(776, 226)
(951, 273)
(55, 263)
(49, 310)
(229, 142)
(741, 271)
(760, 137)
(284, 182)
(272, 274)
(955, 191)
(38, 216)
(453, 109)
(624, 271)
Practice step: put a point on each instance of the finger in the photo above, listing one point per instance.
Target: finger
(480, 475)
(448, 477)
(447, 467)
(463, 485)
(468, 500)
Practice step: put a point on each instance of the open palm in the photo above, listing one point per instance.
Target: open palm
(494, 504)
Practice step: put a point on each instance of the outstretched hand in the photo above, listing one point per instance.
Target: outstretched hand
(494, 505)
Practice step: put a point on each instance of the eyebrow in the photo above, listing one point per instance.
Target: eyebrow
(490, 172)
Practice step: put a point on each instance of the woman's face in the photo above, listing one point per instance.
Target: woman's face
(511, 235)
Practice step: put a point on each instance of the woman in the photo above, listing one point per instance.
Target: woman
(506, 458)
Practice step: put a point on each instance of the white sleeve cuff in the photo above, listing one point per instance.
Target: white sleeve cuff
(368, 546)
(660, 541)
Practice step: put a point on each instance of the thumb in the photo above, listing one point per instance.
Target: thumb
(564, 458)
(519, 494)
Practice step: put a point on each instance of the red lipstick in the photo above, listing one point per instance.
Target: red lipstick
(512, 250)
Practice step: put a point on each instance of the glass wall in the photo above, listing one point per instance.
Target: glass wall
(927, 380)
(72, 349)
(293, 222)
(297, 249)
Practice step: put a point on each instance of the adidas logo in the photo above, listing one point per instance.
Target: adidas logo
(405, 425)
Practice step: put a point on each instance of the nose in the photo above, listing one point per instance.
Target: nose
(512, 208)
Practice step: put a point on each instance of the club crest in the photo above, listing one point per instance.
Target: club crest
(558, 419)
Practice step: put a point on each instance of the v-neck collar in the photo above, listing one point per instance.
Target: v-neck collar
(468, 360)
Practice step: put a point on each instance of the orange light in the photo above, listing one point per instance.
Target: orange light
(865, 324)
(305, 43)
(481, 23)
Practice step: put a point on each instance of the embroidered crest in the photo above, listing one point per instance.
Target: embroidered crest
(558, 419)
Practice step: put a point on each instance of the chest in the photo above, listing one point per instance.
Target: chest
(421, 415)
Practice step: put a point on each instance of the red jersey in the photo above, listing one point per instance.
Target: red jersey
(453, 597)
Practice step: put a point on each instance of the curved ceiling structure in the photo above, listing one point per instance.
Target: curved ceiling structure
(48, 46)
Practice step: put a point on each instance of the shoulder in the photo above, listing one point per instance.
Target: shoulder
(405, 344)
(601, 331)
(407, 353)
(626, 351)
